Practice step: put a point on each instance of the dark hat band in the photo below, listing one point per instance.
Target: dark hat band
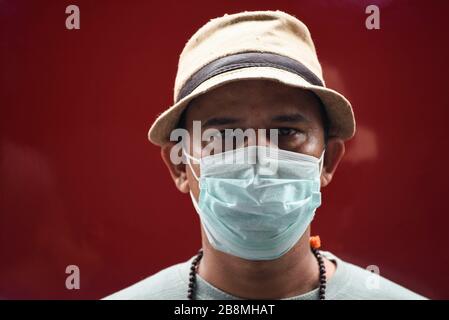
(246, 60)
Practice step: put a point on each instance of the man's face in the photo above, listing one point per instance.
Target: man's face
(258, 104)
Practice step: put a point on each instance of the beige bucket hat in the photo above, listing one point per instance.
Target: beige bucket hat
(270, 45)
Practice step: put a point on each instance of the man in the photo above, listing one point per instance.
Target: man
(256, 70)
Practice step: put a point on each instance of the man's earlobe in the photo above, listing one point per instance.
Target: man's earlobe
(335, 149)
(177, 171)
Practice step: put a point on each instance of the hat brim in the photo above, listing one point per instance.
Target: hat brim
(338, 108)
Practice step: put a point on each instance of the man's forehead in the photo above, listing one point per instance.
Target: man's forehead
(222, 111)
(276, 116)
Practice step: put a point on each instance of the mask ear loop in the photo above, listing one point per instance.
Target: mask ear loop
(189, 157)
(322, 162)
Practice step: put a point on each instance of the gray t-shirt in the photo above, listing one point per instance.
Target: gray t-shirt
(348, 282)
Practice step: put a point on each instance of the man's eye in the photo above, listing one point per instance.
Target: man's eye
(225, 132)
(287, 131)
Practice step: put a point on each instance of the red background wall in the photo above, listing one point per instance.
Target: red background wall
(80, 184)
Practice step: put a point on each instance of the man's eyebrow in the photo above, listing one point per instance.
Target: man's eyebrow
(292, 118)
(217, 121)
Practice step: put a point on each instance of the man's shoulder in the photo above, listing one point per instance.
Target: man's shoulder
(167, 284)
(354, 282)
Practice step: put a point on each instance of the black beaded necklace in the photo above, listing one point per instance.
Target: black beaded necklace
(196, 260)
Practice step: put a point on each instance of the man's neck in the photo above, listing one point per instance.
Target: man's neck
(295, 273)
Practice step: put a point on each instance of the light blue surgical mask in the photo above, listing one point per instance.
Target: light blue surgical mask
(256, 202)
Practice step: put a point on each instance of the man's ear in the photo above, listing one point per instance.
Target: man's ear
(177, 171)
(335, 149)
